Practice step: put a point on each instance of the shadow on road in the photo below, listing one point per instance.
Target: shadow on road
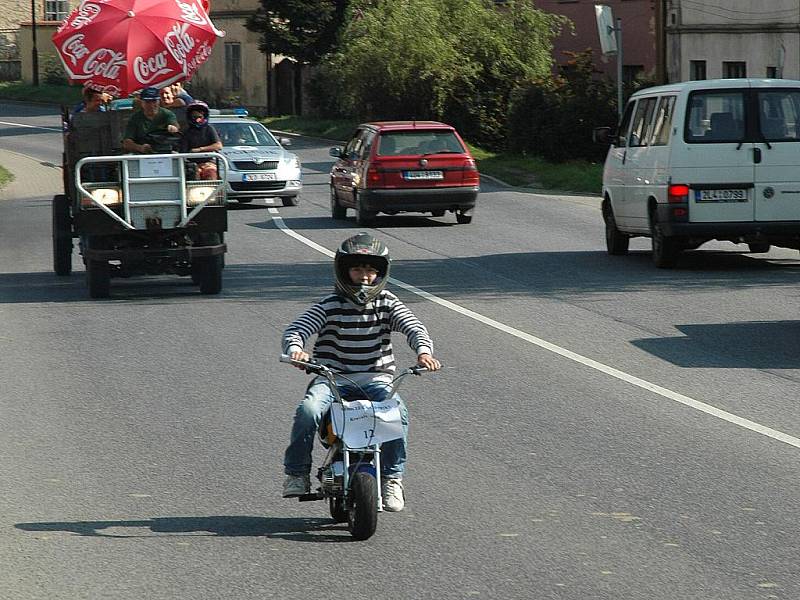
(746, 345)
(295, 529)
(572, 276)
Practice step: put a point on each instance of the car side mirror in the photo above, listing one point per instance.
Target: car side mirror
(337, 152)
(285, 142)
(601, 135)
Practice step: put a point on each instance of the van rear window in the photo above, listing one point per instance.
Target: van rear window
(779, 115)
(715, 116)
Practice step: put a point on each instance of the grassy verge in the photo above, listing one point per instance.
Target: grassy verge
(5, 176)
(523, 171)
(55, 94)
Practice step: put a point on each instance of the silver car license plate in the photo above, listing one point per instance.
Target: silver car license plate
(258, 177)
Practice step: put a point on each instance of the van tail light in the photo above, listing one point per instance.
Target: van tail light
(678, 193)
(471, 175)
(678, 198)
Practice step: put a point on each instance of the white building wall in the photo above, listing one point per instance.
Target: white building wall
(761, 34)
(757, 50)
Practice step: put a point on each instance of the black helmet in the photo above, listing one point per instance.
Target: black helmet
(361, 249)
(197, 106)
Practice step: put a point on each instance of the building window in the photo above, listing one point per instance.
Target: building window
(56, 10)
(233, 65)
(772, 73)
(631, 72)
(697, 70)
(734, 70)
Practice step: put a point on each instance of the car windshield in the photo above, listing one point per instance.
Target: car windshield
(398, 143)
(244, 134)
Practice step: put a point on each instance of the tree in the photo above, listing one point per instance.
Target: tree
(456, 60)
(305, 30)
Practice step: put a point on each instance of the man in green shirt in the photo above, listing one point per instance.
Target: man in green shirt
(152, 119)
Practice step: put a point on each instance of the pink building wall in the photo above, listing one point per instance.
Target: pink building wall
(640, 41)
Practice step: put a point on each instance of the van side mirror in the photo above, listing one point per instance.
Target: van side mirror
(601, 135)
(285, 142)
(336, 151)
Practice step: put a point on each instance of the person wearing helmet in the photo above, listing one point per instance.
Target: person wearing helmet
(200, 136)
(353, 328)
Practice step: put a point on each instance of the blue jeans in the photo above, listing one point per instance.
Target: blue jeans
(297, 459)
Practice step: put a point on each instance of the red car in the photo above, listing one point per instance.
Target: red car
(404, 166)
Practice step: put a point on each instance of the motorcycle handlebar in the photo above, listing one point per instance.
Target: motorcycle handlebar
(318, 369)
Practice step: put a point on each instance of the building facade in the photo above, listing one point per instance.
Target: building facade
(732, 38)
(642, 39)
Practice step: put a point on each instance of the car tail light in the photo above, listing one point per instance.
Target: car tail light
(374, 176)
(678, 193)
(471, 175)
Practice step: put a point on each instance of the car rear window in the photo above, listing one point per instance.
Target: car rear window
(400, 143)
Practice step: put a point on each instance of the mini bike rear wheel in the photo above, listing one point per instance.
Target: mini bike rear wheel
(338, 510)
(362, 514)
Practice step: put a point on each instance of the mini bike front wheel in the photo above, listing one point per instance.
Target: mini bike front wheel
(362, 517)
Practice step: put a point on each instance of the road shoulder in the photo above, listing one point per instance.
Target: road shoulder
(32, 178)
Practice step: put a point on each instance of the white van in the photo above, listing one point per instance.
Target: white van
(705, 160)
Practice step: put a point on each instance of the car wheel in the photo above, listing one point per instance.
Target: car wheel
(463, 218)
(616, 242)
(290, 201)
(363, 216)
(665, 248)
(758, 248)
(337, 210)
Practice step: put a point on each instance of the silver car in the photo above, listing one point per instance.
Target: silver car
(258, 164)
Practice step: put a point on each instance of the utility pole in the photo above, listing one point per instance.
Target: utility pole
(35, 51)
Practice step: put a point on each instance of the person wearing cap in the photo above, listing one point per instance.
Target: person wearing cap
(152, 120)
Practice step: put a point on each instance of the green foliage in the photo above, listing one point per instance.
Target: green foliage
(456, 60)
(554, 118)
(52, 71)
(305, 30)
(5, 176)
(53, 94)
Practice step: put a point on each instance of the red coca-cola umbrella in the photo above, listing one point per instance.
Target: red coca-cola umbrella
(120, 46)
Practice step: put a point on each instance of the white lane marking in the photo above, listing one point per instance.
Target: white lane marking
(31, 126)
(593, 364)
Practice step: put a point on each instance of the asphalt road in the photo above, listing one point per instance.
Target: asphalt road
(603, 429)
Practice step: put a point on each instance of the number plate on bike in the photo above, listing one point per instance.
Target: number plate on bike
(362, 423)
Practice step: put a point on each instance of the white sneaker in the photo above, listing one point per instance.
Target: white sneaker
(296, 485)
(394, 498)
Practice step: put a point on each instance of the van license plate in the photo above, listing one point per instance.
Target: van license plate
(720, 195)
(258, 177)
(423, 175)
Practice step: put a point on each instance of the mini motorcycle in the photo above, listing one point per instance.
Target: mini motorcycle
(352, 430)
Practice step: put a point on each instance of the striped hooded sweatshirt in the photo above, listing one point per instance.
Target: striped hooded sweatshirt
(355, 338)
